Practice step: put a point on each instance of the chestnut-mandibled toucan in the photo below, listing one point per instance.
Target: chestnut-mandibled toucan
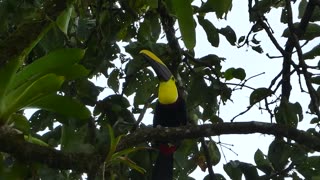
(170, 112)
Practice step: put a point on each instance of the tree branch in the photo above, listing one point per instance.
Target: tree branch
(14, 143)
(191, 131)
(168, 27)
(286, 86)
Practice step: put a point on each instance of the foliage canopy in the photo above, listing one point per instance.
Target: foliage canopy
(51, 50)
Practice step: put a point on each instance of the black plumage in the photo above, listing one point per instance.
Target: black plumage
(167, 115)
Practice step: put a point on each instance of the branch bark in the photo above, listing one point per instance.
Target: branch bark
(14, 143)
(286, 86)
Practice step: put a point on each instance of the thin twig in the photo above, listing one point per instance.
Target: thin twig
(208, 159)
(143, 111)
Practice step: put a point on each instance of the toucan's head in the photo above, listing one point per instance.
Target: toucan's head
(168, 92)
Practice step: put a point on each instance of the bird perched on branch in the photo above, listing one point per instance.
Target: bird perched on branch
(170, 112)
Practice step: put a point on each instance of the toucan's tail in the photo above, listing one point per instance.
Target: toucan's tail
(163, 169)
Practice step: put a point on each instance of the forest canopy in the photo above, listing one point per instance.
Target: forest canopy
(52, 52)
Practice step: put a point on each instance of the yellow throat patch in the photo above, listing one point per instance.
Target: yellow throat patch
(168, 93)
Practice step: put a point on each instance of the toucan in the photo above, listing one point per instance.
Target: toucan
(170, 111)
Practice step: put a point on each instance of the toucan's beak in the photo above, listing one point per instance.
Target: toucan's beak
(159, 67)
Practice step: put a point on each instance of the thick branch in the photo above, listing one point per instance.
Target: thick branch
(191, 131)
(15, 145)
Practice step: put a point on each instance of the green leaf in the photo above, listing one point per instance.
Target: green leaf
(302, 7)
(259, 94)
(20, 122)
(262, 162)
(113, 80)
(88, 92)
(239, 73)
(288, 114)
(144, 31)
(211, 31)
(229, 33)
(145, 85)
(241, 39)
(64, 19)
(58, 61)
(221, 8)
(315, 15)
(187, 147)
(212, 60)
(217, 176)
(298, 154)
(214, 153)
(315, 51)
(128, 151)
(6, 76)
(198, 84)
(34, 140)
(153, 3)
(228, 74)
(155, 25)
(284, 16)
(233, 170)
(30, 92)
(312, 31)
(278, 154)
(314, 121)
(113, 144)
(249, 171)
(62, 105)
(258, 49)
(297, 109)
(131, 164)
(184, 13)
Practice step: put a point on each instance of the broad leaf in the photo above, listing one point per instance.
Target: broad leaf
(6, 75)
(233, 170)
(113, 80)
(212, 60)
(131, 164)
(20, 122)
(288, 114)
(278, 154)
(238, 73)
(211, 31)
(62, 105)
(55, 62)
(259, 94)
(214, 153)
(249, 171)
(30, 92)
(315, 51)
(315, 15)
(34, 140)
(64, 19)
(229, 33)
(262, 162)
(221, 8)
(184, 13)
(312, 31)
